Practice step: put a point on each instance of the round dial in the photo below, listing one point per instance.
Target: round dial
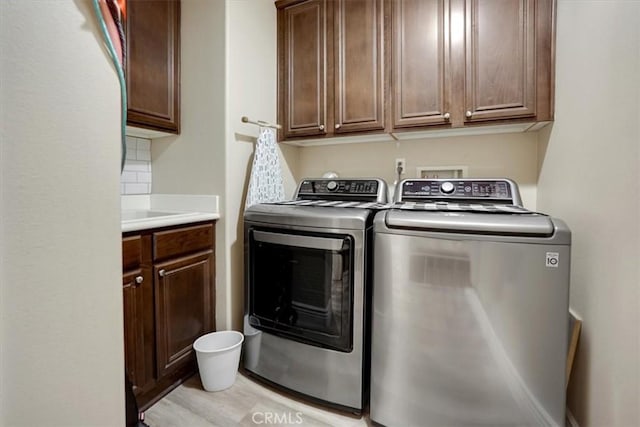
(332, 185)
(447, 188)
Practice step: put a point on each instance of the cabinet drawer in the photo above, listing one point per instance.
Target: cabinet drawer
(181, 241)
(131, 253)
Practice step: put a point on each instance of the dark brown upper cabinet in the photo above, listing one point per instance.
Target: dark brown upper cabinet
(420, 70)
(331, 67)
(359, 65)
(399, 65)
(302, 66)
(460, 63)
(153, 64)
(500, 59)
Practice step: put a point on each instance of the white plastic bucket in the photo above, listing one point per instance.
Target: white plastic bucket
(218, 355)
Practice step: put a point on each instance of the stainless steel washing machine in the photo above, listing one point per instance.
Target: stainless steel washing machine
(470, 308)
(308, 290)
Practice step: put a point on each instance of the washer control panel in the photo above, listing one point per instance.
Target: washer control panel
(497, 190)
(340, 189)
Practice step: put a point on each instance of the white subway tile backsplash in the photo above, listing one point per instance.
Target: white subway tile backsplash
(144, 177)
(137, 166)
(132, 146)
(129, 177)
(136, 176)
(144, 144)
(143, 155)
(137, 188)
(132, 143)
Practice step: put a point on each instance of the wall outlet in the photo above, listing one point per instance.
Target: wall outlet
(400, 165)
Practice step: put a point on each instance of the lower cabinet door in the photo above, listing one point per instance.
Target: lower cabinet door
(137, 288)
(184, 308)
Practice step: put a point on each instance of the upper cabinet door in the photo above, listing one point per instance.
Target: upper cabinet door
(153, 64)
(500, 59)
(302, 48)
(420, 72)
(359, 65)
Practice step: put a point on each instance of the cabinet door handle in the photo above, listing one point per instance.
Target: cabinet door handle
(161, 273)
(321, 127)
(468, 114)
(338, 126)
(446, 116)
(139, 279)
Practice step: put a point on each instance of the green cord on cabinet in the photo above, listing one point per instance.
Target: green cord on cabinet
(123, 84)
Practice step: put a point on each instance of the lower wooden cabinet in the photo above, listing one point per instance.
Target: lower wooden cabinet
(183, 308)
(137, 290)
(169, 301)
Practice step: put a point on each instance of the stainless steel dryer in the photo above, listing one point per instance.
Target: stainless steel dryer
(470, 317)
(308, 288)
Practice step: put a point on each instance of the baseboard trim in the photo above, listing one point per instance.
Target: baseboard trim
(571, 420)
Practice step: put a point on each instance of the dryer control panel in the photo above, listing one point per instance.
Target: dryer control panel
(471, 190)
(370, 189)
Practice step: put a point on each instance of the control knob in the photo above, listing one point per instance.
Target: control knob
(332, 185)
(447, 187)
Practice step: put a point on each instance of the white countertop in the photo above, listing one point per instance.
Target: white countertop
(161, 210)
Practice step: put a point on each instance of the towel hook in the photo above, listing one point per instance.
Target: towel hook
(262, 123)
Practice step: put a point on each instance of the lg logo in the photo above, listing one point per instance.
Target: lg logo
(552, 259)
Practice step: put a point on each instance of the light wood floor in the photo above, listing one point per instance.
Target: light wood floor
(246, 403)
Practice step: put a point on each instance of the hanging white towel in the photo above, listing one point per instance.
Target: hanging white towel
(265, 184)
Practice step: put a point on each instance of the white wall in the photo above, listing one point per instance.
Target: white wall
(503, 155)
(194, 161)
(62, 359)
(590, 177)
(251, 91)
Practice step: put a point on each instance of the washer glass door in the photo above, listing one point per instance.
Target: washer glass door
(301, 286)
